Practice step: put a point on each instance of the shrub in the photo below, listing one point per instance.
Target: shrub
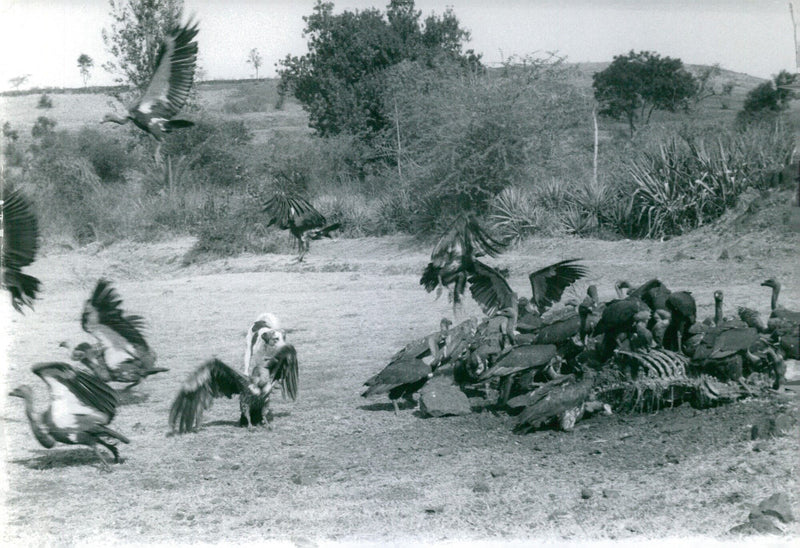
(43, 127)
(109, 156)
(688, 181)
(44, 101)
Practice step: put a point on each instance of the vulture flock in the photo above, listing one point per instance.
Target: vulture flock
(551, 365)
(545, 363)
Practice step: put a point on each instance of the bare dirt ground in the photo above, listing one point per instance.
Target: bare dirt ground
(339, 468)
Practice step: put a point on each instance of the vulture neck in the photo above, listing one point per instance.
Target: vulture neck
(776, 289)
(718, 312)
(121, 120)
(36, 426)
(618, 287)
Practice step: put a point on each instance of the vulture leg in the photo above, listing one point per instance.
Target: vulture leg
(394, 403)
(243, 422)
(110, 447)
(256, 416)
(134, 383)
(157, 155)
(100, 456)
(505, 389)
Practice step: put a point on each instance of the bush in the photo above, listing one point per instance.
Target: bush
(109, 156)
(43, 127)
(44, 101)
(688, 181)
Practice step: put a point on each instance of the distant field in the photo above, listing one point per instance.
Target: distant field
(72, 111)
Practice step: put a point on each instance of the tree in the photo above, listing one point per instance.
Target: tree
(84, 64)
(17, 81)
(254, 58)
(636, 84)
(340, 81)
(708, 84)
(138, 27)
(767, 98)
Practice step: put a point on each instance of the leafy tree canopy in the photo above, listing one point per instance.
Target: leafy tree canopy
(138, 27)
(340, 81)
(636, 84)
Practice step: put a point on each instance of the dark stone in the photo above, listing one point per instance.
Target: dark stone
(480, 487)
(764, 428)
(724, 255)
(586, 493)
(440, 397)
(672, 457)
(762, 524)
(777, 505)
(498, 472)
(610, 493)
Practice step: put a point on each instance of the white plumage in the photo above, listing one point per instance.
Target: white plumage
(263, 340)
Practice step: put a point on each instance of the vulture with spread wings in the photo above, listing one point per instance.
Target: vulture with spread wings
(169, 86)
(548, 284)
(81, 408)
(124, 353)
(299, 217)
(20, 244)
(454, 259)
(215, 379)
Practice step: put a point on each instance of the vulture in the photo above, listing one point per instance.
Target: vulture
(681, 305)
(263, 340)
(124, 351)
(215, 379)
(454, 257)
(20, 243)
(779, 312)
(81, 408)
(549, 283)
(131, 372)
(168, 88)
(563, 400)
(653, 293)
(411, 367)
(299, 217)
(619, 316)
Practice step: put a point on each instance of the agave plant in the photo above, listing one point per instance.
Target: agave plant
(515, 214)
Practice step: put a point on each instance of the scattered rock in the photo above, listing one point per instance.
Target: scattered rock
(236, 466)
(777, 505)
(438, 509)
(680, 256)
(586, 493)
(762, 524)
(480, 487)
(724, 256)
(441, 397)
(767, 427)
(498, 472)
(672, 457)
(557, 515)
(302, 478)
(734, 497)
(610, 493)
(444, 451)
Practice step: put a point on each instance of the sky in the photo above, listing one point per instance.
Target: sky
(44, 38)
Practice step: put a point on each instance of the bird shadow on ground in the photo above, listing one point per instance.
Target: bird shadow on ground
(66, 458)
(386, 406)
(131, 398)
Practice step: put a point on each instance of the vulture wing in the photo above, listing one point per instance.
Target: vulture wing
(490, 289)
(120, 334)
(211, 380)
(75, 392)
(549, 283)
(20, 244)
(283, 368)
(172, 80)
(554, 399)
(292, 211)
